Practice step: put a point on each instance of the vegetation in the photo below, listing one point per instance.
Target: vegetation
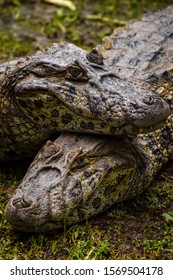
(141, 228)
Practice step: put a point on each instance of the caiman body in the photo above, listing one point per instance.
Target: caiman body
(78, 176)
(66, 88)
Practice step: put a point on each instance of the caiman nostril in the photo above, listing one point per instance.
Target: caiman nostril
(15, 201)
(22, 202)
(149, 100)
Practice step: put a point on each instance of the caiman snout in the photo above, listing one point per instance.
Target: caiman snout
(21, 202)
(23, 211)
(143, 111)
(133, 104)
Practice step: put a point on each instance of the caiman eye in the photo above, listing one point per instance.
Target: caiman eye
(75, 72)
(79, 162)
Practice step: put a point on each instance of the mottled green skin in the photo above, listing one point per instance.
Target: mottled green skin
(79, 176)
(66, 88)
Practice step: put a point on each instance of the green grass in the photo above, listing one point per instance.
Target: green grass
(141, 228)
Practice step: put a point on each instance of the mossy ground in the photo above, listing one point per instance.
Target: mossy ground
(141, 228)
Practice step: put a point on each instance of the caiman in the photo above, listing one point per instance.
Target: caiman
(78, 176)
(67, 89)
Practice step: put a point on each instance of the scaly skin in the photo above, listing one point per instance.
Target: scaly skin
(79, 176)
(65, 88)
(144, 49)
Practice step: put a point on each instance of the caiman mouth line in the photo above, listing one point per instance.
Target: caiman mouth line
(133, 129)
(39, 228)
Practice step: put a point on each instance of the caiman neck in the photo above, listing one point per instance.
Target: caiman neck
(16, 132)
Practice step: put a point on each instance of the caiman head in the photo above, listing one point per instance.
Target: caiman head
(66, 88)
(72, 179)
